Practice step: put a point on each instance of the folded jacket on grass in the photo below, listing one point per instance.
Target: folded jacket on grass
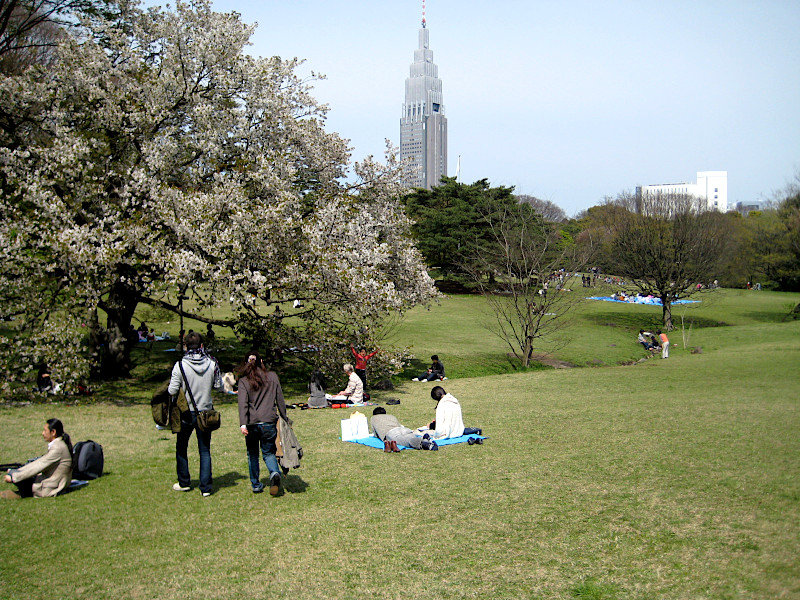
(374, 442)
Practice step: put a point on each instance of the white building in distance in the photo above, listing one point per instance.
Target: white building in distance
(712, 186)
(423, 126)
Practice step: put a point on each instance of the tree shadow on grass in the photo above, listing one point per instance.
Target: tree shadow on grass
(773, 317)
(649, 322)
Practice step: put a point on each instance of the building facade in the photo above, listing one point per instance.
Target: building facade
(712, 186)
(423, 126)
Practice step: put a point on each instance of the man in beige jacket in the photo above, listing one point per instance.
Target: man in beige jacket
(49, 474)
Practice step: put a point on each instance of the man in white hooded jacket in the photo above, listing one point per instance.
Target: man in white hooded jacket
(449, 423)
(202, 375)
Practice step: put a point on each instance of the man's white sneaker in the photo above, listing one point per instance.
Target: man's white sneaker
(179, 488)
(415, 379)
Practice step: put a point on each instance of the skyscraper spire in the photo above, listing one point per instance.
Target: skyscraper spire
(423, 126)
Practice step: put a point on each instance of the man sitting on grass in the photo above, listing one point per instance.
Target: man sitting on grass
(389, 430)
(435, 372)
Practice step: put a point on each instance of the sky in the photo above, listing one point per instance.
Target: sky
(566, 100)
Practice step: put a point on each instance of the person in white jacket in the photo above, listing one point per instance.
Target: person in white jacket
(449, 423)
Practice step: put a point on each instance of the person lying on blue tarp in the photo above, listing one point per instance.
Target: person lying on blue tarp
(389, 430)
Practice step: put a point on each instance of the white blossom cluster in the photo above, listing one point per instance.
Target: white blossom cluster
(155, 155)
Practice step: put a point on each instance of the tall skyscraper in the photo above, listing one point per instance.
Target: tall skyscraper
(423, 126)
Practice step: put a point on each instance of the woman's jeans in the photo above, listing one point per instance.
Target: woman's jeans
(261, 435)
(203, 446)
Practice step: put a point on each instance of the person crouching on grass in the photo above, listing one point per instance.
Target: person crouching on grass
(49, 474)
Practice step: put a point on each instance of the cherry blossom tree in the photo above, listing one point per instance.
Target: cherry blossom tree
(155, 158)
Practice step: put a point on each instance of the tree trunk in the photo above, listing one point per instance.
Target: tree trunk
(667, 313)
(527, 353)
(119, 308)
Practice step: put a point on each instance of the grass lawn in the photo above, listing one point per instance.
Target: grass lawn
(675, 479)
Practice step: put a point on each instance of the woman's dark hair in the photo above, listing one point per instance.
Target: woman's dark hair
(437, 393)
(253, 369)
(318, 379)
(58, 427)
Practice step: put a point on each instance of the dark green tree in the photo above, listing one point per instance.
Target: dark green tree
(449, 221)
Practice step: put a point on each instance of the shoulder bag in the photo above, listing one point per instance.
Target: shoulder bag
(207, 420)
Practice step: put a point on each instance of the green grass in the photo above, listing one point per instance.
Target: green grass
(674, 479)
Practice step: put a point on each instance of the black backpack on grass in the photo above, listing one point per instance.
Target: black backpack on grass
(87, 460)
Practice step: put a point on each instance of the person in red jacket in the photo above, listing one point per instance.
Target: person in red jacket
(361, 363)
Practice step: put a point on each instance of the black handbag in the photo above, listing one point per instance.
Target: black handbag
(207, 420)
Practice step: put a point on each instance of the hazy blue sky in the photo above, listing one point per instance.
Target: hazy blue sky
(566, 100)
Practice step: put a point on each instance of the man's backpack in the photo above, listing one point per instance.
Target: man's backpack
(87, 460)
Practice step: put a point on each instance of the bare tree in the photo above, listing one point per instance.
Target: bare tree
(518, 271)
(549, 211)
(666, 244)
(30, 29)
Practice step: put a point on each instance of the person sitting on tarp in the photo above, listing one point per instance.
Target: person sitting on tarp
(391, 432)
(355, 388)
(49, 474)
(316, 390)
(448, 423)
(436, 371)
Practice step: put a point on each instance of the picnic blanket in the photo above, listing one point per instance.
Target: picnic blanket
(641, 300)
(374, 442)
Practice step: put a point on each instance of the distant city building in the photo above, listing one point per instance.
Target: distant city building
(423, 126)
(712, 186)
(745, 208)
